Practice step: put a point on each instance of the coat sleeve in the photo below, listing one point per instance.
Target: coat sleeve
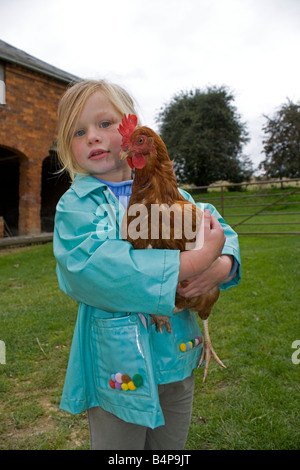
(231, 246)
(108, 273)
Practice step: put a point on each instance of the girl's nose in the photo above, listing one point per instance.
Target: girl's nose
(94, 135)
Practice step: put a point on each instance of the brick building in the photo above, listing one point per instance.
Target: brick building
(30, 90)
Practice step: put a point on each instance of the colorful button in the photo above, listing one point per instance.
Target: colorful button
(131, 386)
(191, 343)
(126, 379)
(112, 383)
(119, 377)
(137, 379)
(120, 381)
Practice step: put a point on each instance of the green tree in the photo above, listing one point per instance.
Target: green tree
(204, 137)
(282, 143)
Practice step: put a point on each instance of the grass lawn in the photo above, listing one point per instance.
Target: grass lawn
(253, 404)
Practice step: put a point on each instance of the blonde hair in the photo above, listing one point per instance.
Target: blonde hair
(70, 107)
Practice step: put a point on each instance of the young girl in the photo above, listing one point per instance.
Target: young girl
(135, 382)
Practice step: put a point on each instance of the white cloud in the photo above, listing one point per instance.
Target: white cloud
(155, 49)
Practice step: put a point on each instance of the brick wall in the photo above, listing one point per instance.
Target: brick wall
(28, 126)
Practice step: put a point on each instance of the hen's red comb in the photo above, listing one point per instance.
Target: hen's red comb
(127, 127)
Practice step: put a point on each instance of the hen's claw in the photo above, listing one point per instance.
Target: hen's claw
(208, 352)
(161, 321)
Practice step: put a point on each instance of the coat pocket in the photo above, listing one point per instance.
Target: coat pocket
(187, 333)
(119, 355)
(177, 353)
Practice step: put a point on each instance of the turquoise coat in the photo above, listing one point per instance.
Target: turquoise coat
(117, 288)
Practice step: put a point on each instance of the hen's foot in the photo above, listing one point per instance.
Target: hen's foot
(208, 352)
(161, 322)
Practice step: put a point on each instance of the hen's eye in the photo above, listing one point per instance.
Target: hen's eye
(140, 140)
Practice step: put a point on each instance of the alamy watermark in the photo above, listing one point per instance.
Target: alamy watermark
(166, 221)
(296, 354)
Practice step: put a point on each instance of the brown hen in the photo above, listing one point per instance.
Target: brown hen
(159, 217)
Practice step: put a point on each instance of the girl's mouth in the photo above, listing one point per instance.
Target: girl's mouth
(97, 154)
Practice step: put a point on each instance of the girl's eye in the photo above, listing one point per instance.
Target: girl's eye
(104, 124)
(79, 133)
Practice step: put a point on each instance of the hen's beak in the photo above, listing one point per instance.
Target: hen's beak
(124, 154)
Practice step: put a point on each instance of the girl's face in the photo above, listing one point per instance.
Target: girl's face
(96, 141)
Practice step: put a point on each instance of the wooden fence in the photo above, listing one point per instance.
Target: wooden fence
(240, 213)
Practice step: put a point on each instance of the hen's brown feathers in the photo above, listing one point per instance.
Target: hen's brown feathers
(158, 216)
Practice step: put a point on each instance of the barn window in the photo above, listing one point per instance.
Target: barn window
(2, 85)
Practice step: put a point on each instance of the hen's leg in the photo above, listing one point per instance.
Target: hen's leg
(208, 351)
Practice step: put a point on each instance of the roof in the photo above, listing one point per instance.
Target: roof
(13, 55)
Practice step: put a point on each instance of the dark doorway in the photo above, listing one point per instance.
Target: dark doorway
(9, 190)
(54, 185)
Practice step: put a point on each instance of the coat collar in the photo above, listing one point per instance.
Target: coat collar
(85, 184)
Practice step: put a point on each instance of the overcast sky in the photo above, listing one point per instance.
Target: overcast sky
(156, 49)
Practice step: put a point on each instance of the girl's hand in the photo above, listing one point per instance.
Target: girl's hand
(213, 235)
(196, 261)
(199, 285)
